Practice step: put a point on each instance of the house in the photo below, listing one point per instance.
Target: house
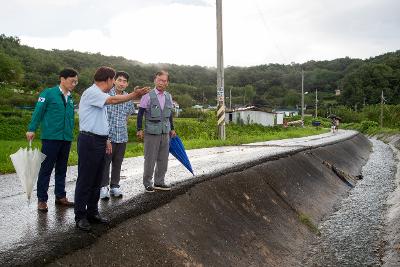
(252, 115)
(198, 107)
(136, 103)
(176, 108)
(287, 112)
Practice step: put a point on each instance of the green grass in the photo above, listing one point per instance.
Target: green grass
(306, 220)
(234, 137)
(370, 128)
(195, 133)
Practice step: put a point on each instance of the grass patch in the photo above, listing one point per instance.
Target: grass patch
(135, 148)
(195, 133)
(371, 128)
(306, 220)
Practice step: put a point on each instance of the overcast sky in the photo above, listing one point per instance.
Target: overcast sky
(184, 31)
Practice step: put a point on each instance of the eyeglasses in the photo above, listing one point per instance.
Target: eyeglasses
(74, 82)
(161, 80)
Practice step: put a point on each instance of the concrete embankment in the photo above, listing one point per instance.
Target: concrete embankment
(263, 215)
(392, 250)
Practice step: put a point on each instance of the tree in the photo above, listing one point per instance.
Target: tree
(365, 84)
(249, 93)
(10, 69)
(184, 101)
(291, 98)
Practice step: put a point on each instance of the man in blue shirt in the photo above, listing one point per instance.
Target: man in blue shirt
(93, 145)
(118, 124)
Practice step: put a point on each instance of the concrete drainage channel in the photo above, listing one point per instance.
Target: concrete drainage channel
(354, 235)
(265, 215)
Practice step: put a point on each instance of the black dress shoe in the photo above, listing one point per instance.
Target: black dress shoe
(98, 219)
(84, 225)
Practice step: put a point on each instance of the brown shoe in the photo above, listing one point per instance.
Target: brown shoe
(64, 202)
(42, 206)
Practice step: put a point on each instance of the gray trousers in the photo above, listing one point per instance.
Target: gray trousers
(156, 151)
(115, 159)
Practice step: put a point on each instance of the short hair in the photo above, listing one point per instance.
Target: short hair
(66, 73)
(102, 74)
(123, 74)
(162, 72)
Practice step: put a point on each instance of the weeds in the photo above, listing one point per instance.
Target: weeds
(306, 220)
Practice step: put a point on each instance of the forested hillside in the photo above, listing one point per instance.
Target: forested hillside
(271, 86)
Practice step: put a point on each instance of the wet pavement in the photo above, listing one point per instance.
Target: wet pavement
(29, 237)
(354, 235)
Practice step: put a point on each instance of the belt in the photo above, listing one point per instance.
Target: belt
(93, 134)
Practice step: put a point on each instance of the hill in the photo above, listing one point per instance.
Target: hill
(274, 85)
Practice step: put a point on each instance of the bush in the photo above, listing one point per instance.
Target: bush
(191, 113)
(368, 126)
(14, 124)
(348, 115)
(325, 122)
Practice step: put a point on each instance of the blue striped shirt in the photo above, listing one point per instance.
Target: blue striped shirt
(118, 119)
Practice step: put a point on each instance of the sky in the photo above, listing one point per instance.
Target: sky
(183, 32)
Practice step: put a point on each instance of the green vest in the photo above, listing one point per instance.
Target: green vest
(157, 119)
(54, 114)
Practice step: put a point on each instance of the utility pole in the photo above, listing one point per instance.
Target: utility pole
(316, 103)
(230, 99)
(220, 74)
(382, 103)
(302, 95)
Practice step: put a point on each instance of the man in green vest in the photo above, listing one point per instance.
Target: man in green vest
(54, 112)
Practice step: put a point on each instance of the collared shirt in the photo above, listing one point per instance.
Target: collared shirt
(118, 119)
(145, 100)
(93, 111)
(65, 96)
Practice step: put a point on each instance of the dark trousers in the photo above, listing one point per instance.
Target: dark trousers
(57, 153)
(91, 158)
(115, 159)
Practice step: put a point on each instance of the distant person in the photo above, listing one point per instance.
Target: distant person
(93, 145)
(337, 124)
(157, 107)
(54, 112)
(118, 136)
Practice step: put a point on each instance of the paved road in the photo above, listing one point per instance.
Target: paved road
(31, 237)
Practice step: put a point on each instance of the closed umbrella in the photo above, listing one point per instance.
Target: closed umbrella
(177, 149)
(27, 162)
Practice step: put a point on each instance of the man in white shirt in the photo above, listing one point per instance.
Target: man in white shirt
(93, 144)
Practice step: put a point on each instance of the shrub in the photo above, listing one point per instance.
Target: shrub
(191, 113)
(368, 126)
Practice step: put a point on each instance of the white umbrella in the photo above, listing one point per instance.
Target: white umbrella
(27, 163)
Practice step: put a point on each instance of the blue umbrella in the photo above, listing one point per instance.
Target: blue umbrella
(177, 149)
